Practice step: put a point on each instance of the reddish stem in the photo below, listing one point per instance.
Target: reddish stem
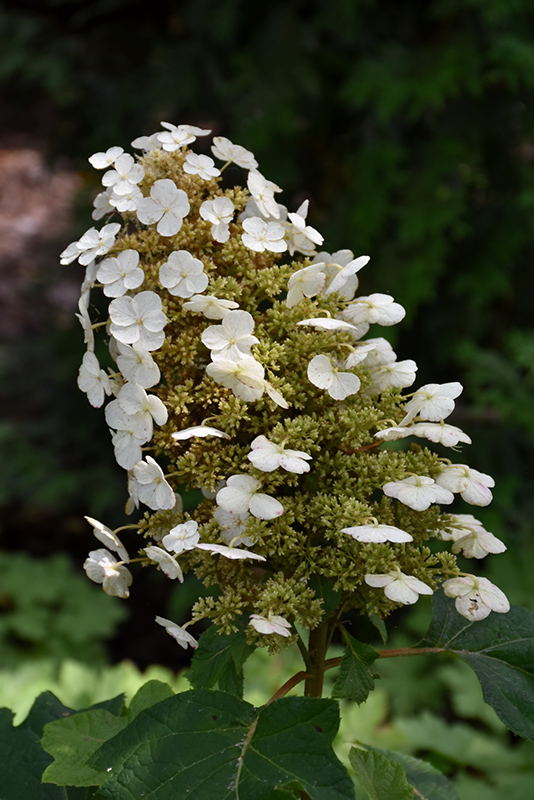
(335, 662)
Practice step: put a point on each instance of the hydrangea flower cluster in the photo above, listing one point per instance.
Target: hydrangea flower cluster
(237, 364)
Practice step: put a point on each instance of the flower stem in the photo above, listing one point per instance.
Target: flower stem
(317, 647)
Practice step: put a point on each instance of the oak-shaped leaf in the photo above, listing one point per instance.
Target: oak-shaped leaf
(218, 661)
(356, 677)
(72, 741)
(380, 778)
(390, 775)
(211, 745)
(23, 759)
(500, 650)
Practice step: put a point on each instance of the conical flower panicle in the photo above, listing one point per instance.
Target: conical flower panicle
(239, 365)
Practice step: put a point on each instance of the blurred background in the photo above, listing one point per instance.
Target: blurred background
(410, 127)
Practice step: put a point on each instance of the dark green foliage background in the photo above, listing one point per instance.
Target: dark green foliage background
(409, 125)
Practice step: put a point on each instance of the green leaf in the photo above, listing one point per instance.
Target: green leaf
(356, 678)
(380, 625)
(324, 589)
(209, 745)
(500, 650)
(148, 695)
(23, 760)
(72, 741)
(429, 782)
(380, 778)
(218, 661)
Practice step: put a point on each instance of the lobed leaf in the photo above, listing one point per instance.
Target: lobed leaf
(23, 760)
(209, 745)
(500, 650)
(429, 782)
(355, 677)
(218, 661)
(380, 778)
(72, 741)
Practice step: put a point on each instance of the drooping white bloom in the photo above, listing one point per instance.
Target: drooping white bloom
(268, 456)
(253, 210)
(174, 137)
(233, 526)
(183, 638)
(124, 177)
(376, 308)
(137, 365)
(147, 143)
(109, 538)
(138, 320)
(120, 274)
(182, 274)
(299, 229)
(134, 401)
(418, 492)
(476, 597)
(327, 324)
(241, 494)
(326, 375)
(433, 402)
(393, 434)
(138, 425)
(182, 537)
(167, 563)
(102, 205)
(343, 282)
(233, 553)
(359, 354)
(92, 244)
(478, 543)
(70, 253)
(225, 150)
(95, 243)
(167, 205)
(177, 136)
(85, 321)
(102, 567)
(272, 623)
(399, 587)
(377, 533)
(211, 307)
(459, 525)
(129, 201)
(472, 485)
(92, 380)
(275, 395)
(381, 353)
(153, 489)
(261, 235)
(332, 264)
(232, 339)
(470, 537)
(127, 448)
(107, 159)
(262, 191)
(199, 431)
(305, 282)
(244, 377)
(219, 212)
(203, 166)
(396, 374)
(448, 435)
